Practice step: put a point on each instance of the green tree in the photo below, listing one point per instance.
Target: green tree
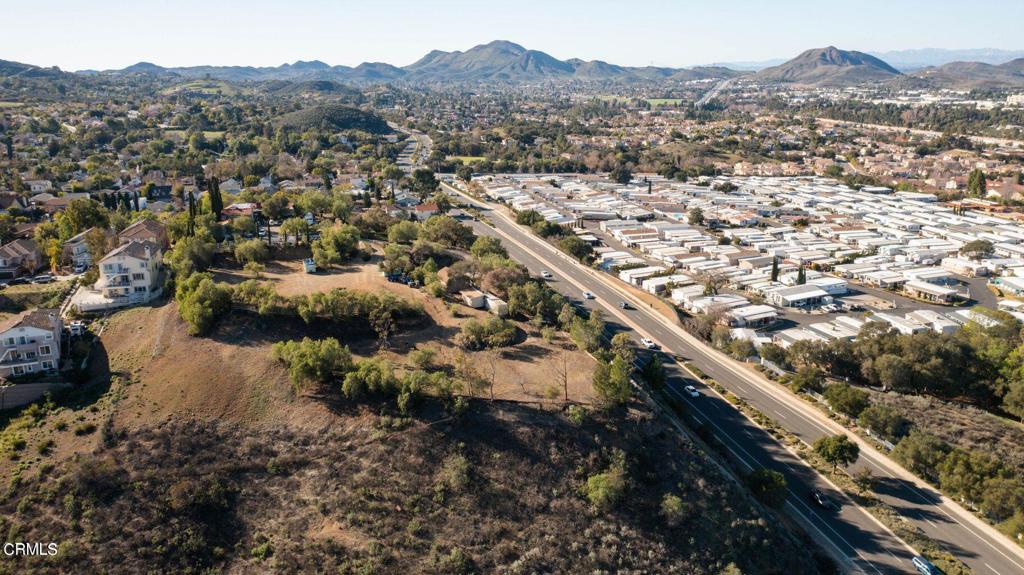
(202, 302)
(488, 245)
(768, 486)
(403, 232)
(621, 174)
(424, 183)
(464, 172)
(847, 399)
(216, 201)
(695, 217)
(605, 490)
(276, 206)
(447, 231)
(775, 269)
(336, 245)
(884, 421)
(977, 249)
(296, 227)
(653, 372)
(976, 183)
(314, 360)
(837, 450)
(576, 247)
(921, 453)
(251, 251)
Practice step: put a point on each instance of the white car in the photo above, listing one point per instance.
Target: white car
(648, 343)
(691, 391)
(588, 295)
(546, 274)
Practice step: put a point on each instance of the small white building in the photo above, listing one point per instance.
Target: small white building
(798, 296)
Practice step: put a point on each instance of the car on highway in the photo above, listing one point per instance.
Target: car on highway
(924, 566)
(588, 295)
(625, 305)
(822, 500)
(546, 274)
(691, 391)
(649, 344)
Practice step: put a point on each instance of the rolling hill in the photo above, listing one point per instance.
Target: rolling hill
(974, 75)
(334, 117)
(829, 67)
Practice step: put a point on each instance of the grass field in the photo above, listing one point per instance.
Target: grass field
(11, 104)
(656, 102)
(210, 87)
(466, 159)
(182, 133)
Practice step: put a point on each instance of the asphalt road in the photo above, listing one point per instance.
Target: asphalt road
(850, 532)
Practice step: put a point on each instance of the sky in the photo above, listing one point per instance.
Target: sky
(107, 34)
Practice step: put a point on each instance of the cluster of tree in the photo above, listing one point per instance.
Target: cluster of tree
(940, 118)
(327, 362)
(978, 364)
(492, 332)
(201, 302)
(975, 476)
(538, 224)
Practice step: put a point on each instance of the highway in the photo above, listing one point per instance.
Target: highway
(852, 533)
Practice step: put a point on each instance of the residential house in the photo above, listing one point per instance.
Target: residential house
(76, 251)
(30, 343)
(131, 273)
(19, 258)
(145, 230)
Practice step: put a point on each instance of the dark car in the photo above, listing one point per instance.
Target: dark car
(822, 500)
(925, 567)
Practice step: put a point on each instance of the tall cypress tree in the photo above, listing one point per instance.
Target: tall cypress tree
(216, 202)
(775, 269)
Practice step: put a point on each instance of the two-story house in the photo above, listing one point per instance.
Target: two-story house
(19, 258)
(131, 273)
(145, 230)
(76, 251)
(30, 343)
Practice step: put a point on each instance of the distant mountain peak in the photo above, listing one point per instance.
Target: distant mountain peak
(830, 66)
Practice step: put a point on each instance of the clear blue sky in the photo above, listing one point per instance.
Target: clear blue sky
(101, 34)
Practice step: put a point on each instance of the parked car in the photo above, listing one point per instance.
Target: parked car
(924, 566)
(649, 344)
(77, 328)
(691, 391)
(588, 295)
(821, 500)
(80, 269)
(43, 279)
(17, 281)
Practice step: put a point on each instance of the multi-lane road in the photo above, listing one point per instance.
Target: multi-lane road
(850, 533)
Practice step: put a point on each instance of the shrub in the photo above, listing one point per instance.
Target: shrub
(85, 428)
(492, 332)
(313, 360)
(605, 490)
(201, 302)
(768, 486)
(371, 376)
(847, 399)
(884, 421)
(250, 251)
(673, 509)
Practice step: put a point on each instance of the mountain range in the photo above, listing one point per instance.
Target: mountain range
(503, 61)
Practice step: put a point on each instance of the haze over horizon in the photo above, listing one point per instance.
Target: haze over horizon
(107, 35)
